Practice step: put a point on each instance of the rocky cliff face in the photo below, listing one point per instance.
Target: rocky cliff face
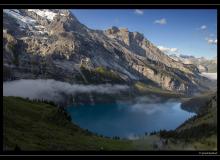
(53, 43)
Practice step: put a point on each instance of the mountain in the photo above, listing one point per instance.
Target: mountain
(43, 43)
(203, 64)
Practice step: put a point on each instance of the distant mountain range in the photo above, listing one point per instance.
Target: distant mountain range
(43, 43)
(203, 64)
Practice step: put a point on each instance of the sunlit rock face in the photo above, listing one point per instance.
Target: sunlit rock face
(51, 43)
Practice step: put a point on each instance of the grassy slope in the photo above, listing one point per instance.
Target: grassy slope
(199, 132)
(38, 126)
(207, 114)
(145, 89)
(101, 75)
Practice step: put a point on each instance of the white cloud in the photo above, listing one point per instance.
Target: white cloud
(166, 49)
(161, 21)
(138, 11)
(212, 41)
(203, 27)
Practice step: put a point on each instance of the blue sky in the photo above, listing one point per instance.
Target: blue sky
(179, 31)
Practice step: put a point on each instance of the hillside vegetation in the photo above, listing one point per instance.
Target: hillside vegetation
(32, 125)
(200, 131)
(39, 126)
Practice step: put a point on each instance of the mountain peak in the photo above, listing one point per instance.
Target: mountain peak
(57, 35)
(112, 30)
(50, 14)
(124, 34)
(124, 30)
(42, 21)
(44, 13)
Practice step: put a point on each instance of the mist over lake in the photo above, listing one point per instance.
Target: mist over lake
(212, 76)
(53, 90)
(128, 118)
(109, 79)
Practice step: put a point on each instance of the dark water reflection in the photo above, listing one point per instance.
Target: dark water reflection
(126, 119)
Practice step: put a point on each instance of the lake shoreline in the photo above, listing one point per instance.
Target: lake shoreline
(114, 98)
(81, 138)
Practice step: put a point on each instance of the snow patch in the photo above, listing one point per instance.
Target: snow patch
(23, 21)
(4, 31)
(41, 32)
(39, 27)
(24, 38)
(44, 13)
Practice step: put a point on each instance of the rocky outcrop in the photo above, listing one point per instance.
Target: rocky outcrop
(53, 43)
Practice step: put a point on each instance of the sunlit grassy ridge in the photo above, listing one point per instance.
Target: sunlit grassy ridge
(101, 75)
(145, 88)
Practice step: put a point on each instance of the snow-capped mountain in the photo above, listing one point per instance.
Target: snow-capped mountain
(203, 64)
(42, 43)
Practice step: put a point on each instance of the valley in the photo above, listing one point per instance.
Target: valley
(70, 87)
(51, 129)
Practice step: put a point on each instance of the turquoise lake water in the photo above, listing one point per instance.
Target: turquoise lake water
(128, 120)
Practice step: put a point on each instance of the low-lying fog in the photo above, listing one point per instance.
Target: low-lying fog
(125, 118)
(53, 90)
(212, 76)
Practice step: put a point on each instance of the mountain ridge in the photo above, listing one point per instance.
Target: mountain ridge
(203, 64)
(55, 47)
